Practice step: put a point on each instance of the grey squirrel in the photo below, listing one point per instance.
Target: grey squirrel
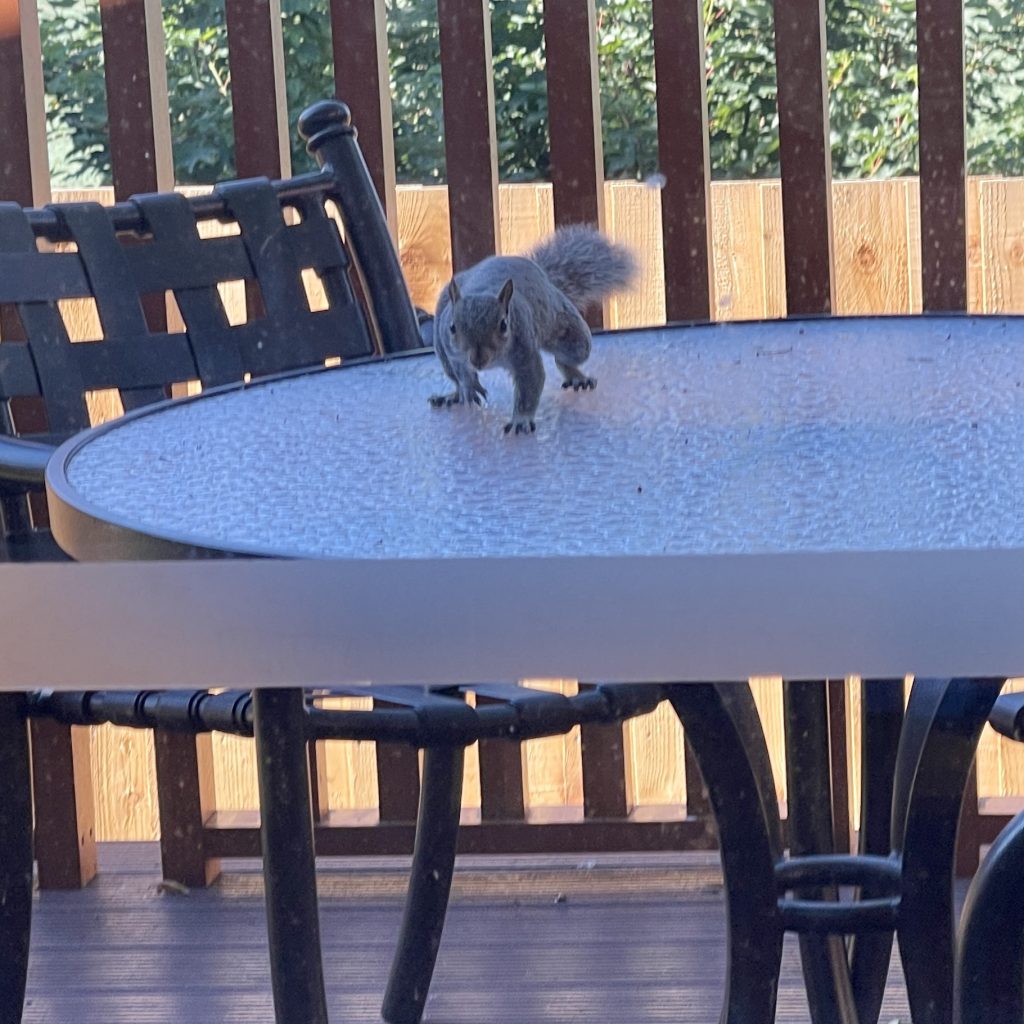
(505, 309)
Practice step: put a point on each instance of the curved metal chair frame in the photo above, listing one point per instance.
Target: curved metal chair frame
(990, 966)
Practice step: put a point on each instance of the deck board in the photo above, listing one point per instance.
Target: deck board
(596, 939)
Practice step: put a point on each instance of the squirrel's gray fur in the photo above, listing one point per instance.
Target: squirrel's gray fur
(505, 309)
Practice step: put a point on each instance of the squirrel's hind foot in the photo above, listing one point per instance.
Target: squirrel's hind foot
(476, 397)
(580, 383)
(520, 426)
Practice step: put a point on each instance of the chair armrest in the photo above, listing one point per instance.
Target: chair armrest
(1007, 716)
(23, 462)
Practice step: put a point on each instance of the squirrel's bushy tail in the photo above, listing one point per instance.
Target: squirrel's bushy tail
(585, 265)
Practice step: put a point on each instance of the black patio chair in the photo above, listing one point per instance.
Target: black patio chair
(990, 966)
(127, 259)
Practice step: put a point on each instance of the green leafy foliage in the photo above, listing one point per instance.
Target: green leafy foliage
(872, 78)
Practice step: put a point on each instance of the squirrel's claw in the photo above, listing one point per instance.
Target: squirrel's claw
(520, 427)
(444, 401)
(580, 384)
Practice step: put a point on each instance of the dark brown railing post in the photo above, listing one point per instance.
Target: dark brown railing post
(65, 842)
(359, 35)
(602, 752)
(940, 69)
(259, 107)
(501, 777)
(684, 159)
(805, 156)
(398, 780)
(135, 67)
(24, 170)
(65, 818)
(186, 800)
(574, 111)
(470, 142)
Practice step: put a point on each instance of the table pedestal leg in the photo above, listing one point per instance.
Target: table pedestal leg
(289, 865)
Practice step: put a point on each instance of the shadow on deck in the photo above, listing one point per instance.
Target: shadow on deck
(623, 939)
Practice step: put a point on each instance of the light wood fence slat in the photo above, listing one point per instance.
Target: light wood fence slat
(1001, 212)
(634, 219)
(872, 247)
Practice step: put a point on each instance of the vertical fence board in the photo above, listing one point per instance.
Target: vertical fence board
(776, 302)
(359, 38)
(683, 158)
(738, 251)
(552, 775)
(574, 111)
(633, 219)
(941, 115)
(24, 169)
(526, 216)
(424, 242)
(975, 282)
(804, 155)
(138, 117)
(123, 783)
(259, 108)
(1001, 213)
(470, 144)
(871, 250)
(656, 762)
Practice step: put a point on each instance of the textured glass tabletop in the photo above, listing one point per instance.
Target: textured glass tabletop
(806, 499)
(829, 435)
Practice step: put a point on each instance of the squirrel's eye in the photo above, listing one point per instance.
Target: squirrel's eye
(503, 326)
(452, 328)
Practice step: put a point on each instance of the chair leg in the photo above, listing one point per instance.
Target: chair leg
(15, 856)
(289, 864)
(426, 902)
(722, 725)
(926, 922)
(881, 723)
(990, 965)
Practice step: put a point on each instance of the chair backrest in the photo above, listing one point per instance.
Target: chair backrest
(314, 289)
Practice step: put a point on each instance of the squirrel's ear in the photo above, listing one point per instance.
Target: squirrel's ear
(453, 291)
(505, 295)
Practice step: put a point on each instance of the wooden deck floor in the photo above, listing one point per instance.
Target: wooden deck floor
(608, 940)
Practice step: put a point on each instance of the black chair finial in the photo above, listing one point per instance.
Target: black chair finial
(323, 120)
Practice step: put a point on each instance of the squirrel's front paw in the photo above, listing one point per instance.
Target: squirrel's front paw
(444, 401)
(580, 383)
(520, 425)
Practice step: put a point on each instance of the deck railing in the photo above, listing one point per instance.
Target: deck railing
(193, 835)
